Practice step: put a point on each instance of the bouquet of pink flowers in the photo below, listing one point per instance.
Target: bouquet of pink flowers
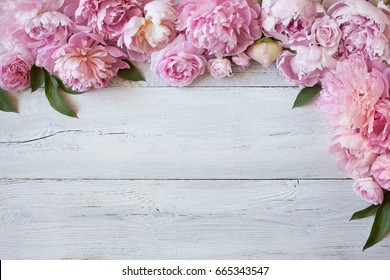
(340, 49)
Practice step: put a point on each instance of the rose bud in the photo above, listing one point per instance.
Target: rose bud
(220, 67)
(368, 190)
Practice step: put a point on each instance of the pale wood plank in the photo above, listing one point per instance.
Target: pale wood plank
(182, 220)
(193, 133)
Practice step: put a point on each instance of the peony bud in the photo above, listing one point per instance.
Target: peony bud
(220, 67)
(242, 60)
(265, 51)
(368, 190)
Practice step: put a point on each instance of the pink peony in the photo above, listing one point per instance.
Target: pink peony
(180, 63)
(354, 152)
(290, 21)
(15, 69)
(25, 10)
(326, 34)
(50, 28)
(242, 60)
(107, 18)
(144, 35)
(83, 64)
(350, 93)
(306, 67)
(368, 190)
(220, 67)
(381, 170)
(380, 135)
(365, 29)
(222, 27)
(15, 15)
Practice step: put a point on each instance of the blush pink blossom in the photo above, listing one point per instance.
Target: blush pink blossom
(242, 60)
(381, 170)
(350, 93)
(83, 64)
(354, 152)
(180, 63)
(365, 29)
(15, 69)
(326, 33)
(15, 15)
(368, 190)
(220, 67)
(290, 21)
(306, 67)
(50, 28)
(107, 18)
(380, 135)
(144, 35)
(222, 27)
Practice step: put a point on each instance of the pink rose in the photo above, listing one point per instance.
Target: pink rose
(306, 67)
(381, 170)
(369, 191)
(350, 93)
(354, 152)
(15, 69)
(222, 27)
(326, 34)
(144, 35)
(365, 29)
(242, 60)
(83, 64)
(180, 63)
(107, 18)
(220, 67)
(265, 51)
(380, 135)
(290, 21)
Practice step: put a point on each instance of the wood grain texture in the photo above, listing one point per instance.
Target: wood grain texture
(186, 219)
(154, 133)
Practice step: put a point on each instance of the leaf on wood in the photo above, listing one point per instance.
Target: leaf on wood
(66, 89)
(306, 95)
(365, 213)
(381, 223)
(37, 77)
(55, 100)
(132, 74)
(5, 103)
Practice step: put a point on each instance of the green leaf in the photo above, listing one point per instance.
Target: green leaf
(37, 76)
(5, 104)
(55, 100)
(381, 223)
(65, 88)
(365, 213)
(306, 95)
(131, 74)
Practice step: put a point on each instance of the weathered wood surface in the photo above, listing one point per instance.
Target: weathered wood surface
(130, 219)
(155, 133)
(220, 170)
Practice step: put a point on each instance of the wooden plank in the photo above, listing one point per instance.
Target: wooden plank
(253, 76)
(182, 220)
(150, 133)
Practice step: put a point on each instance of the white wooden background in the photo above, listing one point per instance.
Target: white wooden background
(223, 169)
